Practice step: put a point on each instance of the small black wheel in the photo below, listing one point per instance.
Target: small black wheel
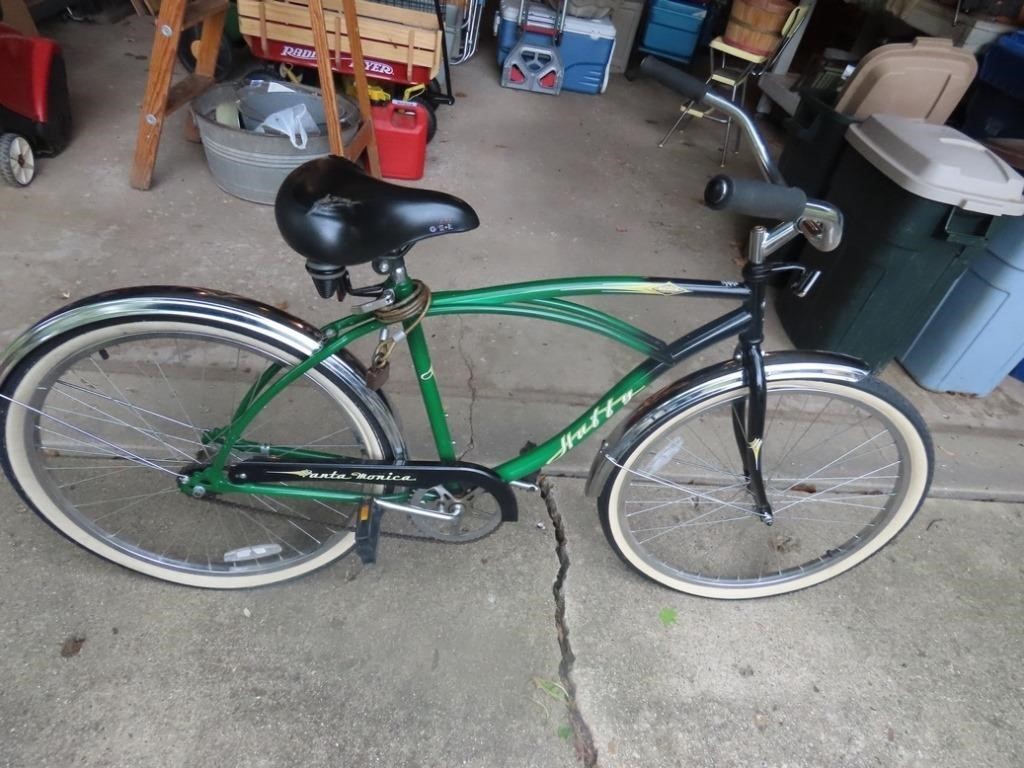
(424, 100)
(17, 161)
(225, 54)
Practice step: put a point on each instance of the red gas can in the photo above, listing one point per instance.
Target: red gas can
(401, 129)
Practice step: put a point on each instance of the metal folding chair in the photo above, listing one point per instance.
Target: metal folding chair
(731, 68)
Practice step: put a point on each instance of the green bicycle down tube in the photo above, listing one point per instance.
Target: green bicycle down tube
(635, 382)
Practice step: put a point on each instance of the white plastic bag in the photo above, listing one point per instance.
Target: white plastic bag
(294, 122)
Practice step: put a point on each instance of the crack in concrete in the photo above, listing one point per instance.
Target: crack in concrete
(583, 739)
(471, 383)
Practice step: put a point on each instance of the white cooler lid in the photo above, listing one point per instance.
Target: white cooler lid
(939, 163)
(543, 15)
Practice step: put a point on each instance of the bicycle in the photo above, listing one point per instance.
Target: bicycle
(214, 441)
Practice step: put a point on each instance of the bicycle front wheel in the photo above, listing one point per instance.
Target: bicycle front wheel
(846, 465)
(98, 426)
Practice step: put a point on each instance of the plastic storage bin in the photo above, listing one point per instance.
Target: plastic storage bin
(1004, 63)
(996, 107)
(672, 29)
(916, 198)
(586, 49)
(1018, 372)
(925, 79)
(977, 336)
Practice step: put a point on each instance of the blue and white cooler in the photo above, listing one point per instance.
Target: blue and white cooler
(586, 49)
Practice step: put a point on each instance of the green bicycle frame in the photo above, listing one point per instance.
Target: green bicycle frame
(543, 300)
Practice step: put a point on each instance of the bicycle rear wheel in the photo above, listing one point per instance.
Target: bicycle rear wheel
(99, 424)
(846, 466)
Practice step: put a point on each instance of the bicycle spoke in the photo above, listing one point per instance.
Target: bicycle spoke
(114, 400)
(149, 432)
(667, 484)
(688, 499)
(177, 399)
(126, 454)
(839, 485)
(835, 461)
(119, 423)
(135, 501)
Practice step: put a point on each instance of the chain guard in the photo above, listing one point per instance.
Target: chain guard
(413, 476)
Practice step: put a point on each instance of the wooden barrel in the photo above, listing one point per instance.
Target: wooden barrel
(756, 25)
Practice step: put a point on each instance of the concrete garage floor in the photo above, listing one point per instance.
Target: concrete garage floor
(444, 655)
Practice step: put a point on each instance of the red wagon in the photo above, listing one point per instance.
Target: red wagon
(400, 45)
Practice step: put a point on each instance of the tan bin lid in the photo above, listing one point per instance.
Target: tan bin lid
(924, 79)
(939, 163)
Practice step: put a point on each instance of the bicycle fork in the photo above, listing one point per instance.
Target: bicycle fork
(748, 415)
(748, 422)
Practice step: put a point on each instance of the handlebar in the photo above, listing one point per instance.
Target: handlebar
(820, 222)
(755, 198)
(682, 83)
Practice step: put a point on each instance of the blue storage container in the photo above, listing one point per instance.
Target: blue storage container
(586, 48)
(1018, 372)
(996, 106)
(672, 29)
(1004, 63)
(976, 336)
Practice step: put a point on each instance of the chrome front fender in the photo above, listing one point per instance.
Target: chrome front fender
(225, 310)
(779, 366)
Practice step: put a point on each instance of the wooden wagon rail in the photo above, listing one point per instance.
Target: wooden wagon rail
(399, 35)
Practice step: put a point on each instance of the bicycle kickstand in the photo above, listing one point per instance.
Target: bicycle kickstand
(368, 530)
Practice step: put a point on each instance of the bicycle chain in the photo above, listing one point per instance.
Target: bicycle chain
(425, 537)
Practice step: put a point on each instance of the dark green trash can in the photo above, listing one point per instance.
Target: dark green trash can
(918, 199)
(815, 140)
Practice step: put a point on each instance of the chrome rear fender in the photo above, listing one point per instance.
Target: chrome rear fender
(217, 308)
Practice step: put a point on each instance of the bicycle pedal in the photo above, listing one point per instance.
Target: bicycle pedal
(368, 531)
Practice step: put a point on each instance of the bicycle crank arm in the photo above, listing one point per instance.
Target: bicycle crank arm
(413, 476)
(409, 509)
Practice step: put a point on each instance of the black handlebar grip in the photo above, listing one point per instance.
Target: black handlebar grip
(755, 198)
(680, 82)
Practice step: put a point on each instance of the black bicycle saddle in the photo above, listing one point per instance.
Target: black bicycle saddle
(331, 211)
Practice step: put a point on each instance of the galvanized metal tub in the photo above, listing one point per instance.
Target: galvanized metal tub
(253, 165)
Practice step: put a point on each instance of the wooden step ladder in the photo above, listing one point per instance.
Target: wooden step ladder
(161, 99)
